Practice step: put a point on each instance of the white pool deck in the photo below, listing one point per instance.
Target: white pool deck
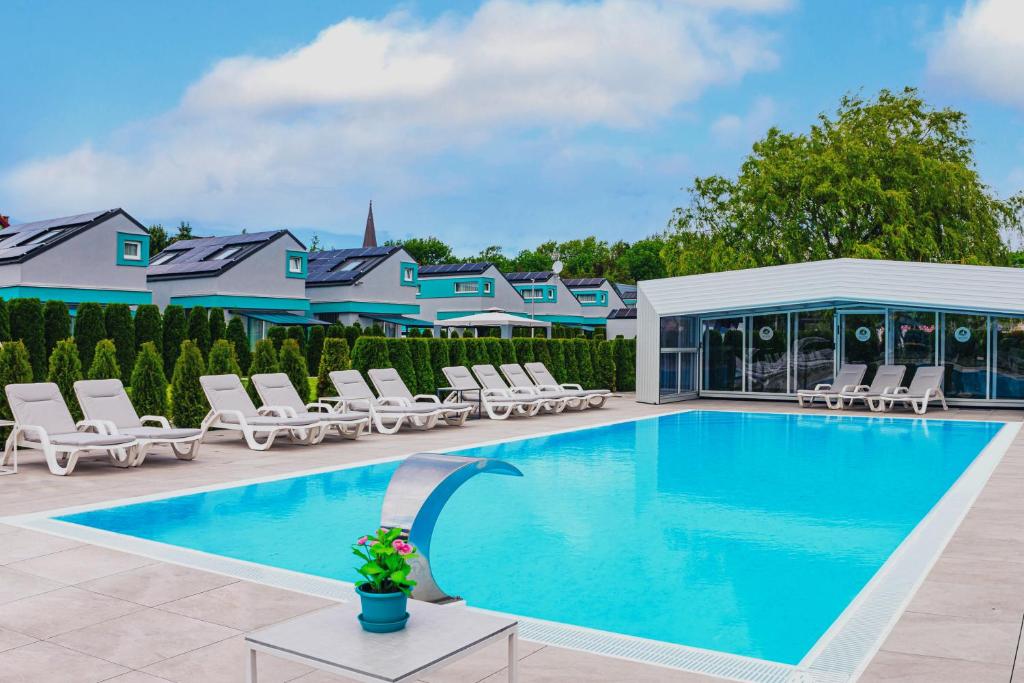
(74, 612)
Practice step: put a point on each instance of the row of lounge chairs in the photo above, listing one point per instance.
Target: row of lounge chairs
(112, 426)
(885, 391)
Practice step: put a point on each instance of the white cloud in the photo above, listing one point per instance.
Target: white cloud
(296, 138)
(982, 49)
(737, 129)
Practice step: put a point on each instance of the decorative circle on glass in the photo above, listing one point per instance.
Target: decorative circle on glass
(766, 333)
(962, 334)
(862, 334)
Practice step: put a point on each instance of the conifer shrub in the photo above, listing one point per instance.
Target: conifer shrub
(199, 329)
(5, 321)
(458, 351)
(149, 327)
(66, 369)
(584, 362)
(427, 333)
(557, 364)
(298, 333)
(223, 360)
(523, 349)
(400, 355)
(15, 368)
(218, 328)
(293, 364)
(175, 332)
(27, 325)
(624, 372)
(542, 352)
(352, 333)
(439, 358)
(104, 361)
(117, 318)
(277, 334)
(149, 383)
(604, 372)
(314, 346)
(493, 350)
(376, 330)
(264, 360)
(335, 357)
(508, 351)
(188, 403)
(569, 361)
(240, 340)
(370, 352)
(476, 351)
(335, 330)
(56, 323)
(421, 366)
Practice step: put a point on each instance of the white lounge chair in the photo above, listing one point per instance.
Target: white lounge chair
(277, 391)
(390, 384)
(43, 422)
(518, 378)
(104, 401)
(499, 404)
(886, 381)
(847, 379)
(926, 386)
(388, 414)
(543, 378)
(490, 379)
(231, 408)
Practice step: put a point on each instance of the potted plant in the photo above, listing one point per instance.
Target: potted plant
(386, 586)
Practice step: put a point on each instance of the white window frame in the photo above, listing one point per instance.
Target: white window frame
(295, 264)
(125, 250)
(487, 287)
(470, 287)
(588, 298)
(407, 274)
(224, 253)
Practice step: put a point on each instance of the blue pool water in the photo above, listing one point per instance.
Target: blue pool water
(740, 532)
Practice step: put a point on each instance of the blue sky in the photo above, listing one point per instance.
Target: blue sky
(503, 122)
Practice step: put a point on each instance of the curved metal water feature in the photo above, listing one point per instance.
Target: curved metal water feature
(418, 491)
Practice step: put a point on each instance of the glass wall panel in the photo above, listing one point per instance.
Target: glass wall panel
(723, 354)
(913, 340)
(966, 355)
(678, 332)
(767, 366)
(814, 348)
(668, 382)
(863, 336)
(1009, 358)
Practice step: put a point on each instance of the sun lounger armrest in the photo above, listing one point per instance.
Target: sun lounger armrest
(429, 398)
(573, 387)
(98, 426)
(847, 388)
(896, 390)
(497, 393)
(279, 411)
(33, 430)
(528, 391)
(337, 403)
(828, 385)
(393, 401)
(159, 419)
(320, 407)
(237, 414)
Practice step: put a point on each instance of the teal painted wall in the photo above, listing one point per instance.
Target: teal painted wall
(601, 296)
(256, 303)
(407, 266)
(444, 288)
(362, 307)
(143, 241)
(550, 293)
(81, 296)
(289, 255)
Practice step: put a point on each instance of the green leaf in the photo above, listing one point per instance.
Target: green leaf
(371, 569)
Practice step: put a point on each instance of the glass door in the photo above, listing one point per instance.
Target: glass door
(914, 340)
(767, 367)
(678, 357)
(965, 355)
(862, 334)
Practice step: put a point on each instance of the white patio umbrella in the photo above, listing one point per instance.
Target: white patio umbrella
(492, 318)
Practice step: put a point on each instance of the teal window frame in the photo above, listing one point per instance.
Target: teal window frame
(600, 297)
(289, 255)
(143, 242)
(407, 266)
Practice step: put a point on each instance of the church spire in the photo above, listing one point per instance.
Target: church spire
(370, 235)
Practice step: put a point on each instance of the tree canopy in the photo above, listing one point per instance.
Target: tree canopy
(888, 177)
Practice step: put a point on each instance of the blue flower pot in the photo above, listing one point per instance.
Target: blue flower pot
(382, 612)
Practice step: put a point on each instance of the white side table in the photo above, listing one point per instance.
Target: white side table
(332, 640)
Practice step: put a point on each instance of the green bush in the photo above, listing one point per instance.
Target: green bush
(314, 346)
(421, 365)
(89, 330)
(293, 364)
(223, 360)
(335, 357)
(495, 355)
(370, 352)
(5, 322)
(117, 318)
(625, 373)
(175, 332)
(56, 324)
(27, 325)
(584, 361)
(298, 333)
(277, 334)
(557, 365)
(104, 361)
(427, 333)
(570, 361)
(188, 403)
(65, 370)
(508, 351)
(604, 372)
(15, 368)
(240, 340)
(439, 358)
(476, 351)
(149, 327)
(458, 352)
(400, 354)
(149, 383)
(264, 360)
(352, 333)
(218, 328)
(335, 330)
(600, 333)
(523, 348)
(199, 329)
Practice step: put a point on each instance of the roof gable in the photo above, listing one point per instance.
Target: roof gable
(345, 266)
(24, 241)
(209, 256)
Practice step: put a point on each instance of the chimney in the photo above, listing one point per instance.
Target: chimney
(370, 235)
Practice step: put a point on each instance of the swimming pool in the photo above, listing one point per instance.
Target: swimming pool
(743, 533)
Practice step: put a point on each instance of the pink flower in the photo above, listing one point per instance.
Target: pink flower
(362, 541)
(397, 543)
(404, 549)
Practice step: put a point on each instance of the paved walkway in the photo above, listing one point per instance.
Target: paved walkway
(77, 613)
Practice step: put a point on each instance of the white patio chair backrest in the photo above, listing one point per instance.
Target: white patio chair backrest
(40, 405)
(275, 389)
(541, 374)
(106, 399)
(887, 376)
(459, 377)
(225, 392)
(351, 386)
(926, 377)
(517, 377)
(489, 377)
(849, 374)
(389, 384)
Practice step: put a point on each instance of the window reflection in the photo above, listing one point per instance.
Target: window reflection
(966, 356)
(814, 349)
(768, 337)
(913, 340)
(1009, 362)
(723, 354)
